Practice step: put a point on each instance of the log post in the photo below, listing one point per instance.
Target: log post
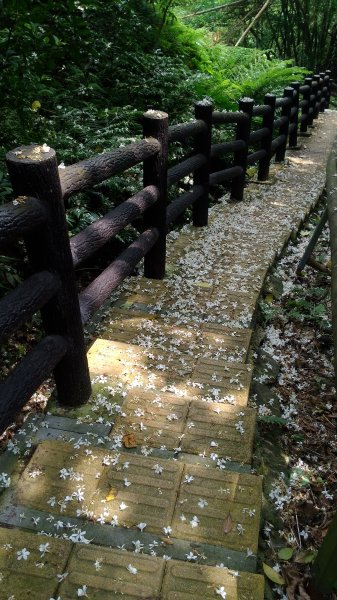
(305, 109)
(318, 100)
(268, 121)
(155, 125)
(312, 101)
(324, 91)
(328, 85)
(33, 171)
(294, 114)
(284, 129)
(240, 157)
(202, 145)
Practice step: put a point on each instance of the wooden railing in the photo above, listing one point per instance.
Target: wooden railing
(37, 216)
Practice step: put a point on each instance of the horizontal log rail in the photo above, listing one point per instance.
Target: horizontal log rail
(30, 373)
(20, 217)
(177, 207)
(97, 234)
(100, 289)
(179, 133)
(261, 110)
(182, 169)
(226, 118)
(25, 300)
(87, 173)
(227, 147)
(258, 135)
(37, 216)
(226, 175)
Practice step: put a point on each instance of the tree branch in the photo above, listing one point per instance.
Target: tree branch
(259, 14)
(221, 7)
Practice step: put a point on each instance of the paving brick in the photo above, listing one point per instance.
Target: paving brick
(148, 487)
(219, 508)
(36, 576)
(41, 485)
(232, 380)
(157, 370)
(137, 367)
(233, 309)
(155, 420)
(155, 332)
(107, 574)
(217, 428)
(191, 581)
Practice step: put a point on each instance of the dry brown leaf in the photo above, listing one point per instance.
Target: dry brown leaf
(228, 524)
(167, 541)
(129, 440)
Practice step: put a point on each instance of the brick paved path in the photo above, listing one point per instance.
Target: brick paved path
(146, 491)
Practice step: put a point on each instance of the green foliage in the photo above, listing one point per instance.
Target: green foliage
(309, 305)
(10, 273)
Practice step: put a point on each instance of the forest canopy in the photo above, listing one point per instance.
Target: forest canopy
(78, 74)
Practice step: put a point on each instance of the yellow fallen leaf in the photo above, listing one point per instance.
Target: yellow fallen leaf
(111, 495)
(269, 298)
(203, 284)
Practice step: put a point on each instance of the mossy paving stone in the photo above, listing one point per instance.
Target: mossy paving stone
(232, 309)
(158, 371)
(190, 581)
(106, 573)
(109, 481)
(144, 492)
(153, 331)
(224, 507)
(217, 428)
(41, 479)
(154, 420)
(162, 422)
(232, 379)
(36, 577)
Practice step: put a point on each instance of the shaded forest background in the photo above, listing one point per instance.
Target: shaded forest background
(78, 75)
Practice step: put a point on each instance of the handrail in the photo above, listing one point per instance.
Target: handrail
(37, 216)
(87, 173)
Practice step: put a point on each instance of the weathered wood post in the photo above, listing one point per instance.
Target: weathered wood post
(324, 90)
(202, 144)
(306, 107)
(155, 125)
(328, 85)
(240, 156)
(267, 121)
(312, 100)
(293, 129)
(284, 129)
(33, 171)
(319, 87)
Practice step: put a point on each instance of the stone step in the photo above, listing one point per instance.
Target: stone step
(143, 369)
(207, 429)
(143, 494)
(197, 301)
(40, 567)
(152, 331)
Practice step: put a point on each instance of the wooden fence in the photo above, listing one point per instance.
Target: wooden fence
(37, 216)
